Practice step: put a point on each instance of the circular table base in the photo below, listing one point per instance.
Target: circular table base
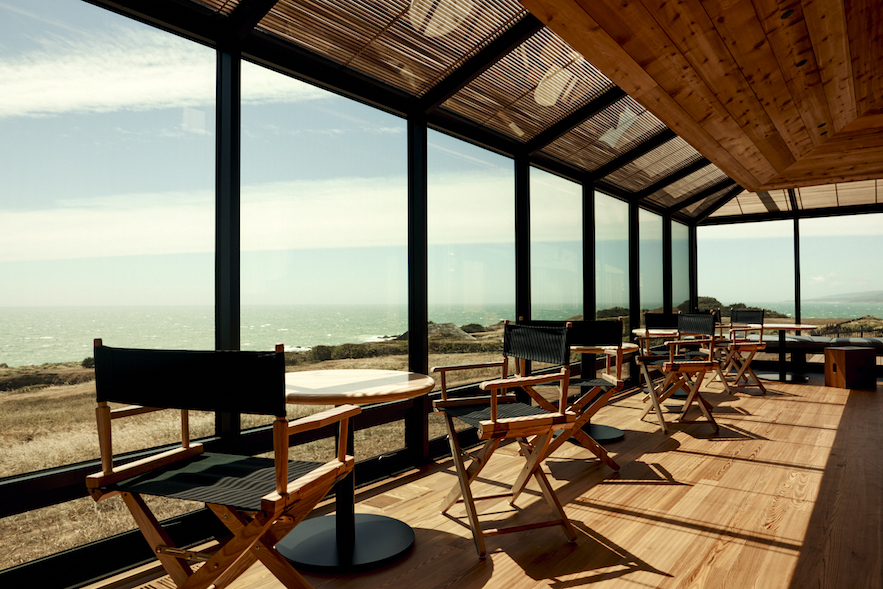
(312, 545)
(604, 434)
(789, 377)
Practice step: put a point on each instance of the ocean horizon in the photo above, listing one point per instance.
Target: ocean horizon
(39, 335)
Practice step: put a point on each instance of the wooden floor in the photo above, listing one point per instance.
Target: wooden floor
(787, 495)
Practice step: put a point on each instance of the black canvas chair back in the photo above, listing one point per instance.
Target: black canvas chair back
(746, 316)
(661, 320)
(233, 382)
(696, 324)
(536, 343)
(605, 332)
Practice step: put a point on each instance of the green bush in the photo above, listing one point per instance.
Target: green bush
(473, 328)
(88, 362)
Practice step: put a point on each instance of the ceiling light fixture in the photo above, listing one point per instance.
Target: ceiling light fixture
(801, 63)
(787, 14)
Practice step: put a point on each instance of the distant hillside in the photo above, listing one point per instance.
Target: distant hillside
(871, 296)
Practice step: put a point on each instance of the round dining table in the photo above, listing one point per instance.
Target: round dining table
(783, 375)
(346, 541)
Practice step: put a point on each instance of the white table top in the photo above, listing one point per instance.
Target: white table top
(655, 332)
(784, 326)
(358, 386)
(627, 348)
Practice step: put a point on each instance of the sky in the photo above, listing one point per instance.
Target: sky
(107, 189)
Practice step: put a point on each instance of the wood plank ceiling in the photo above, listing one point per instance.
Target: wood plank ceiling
(777, 94)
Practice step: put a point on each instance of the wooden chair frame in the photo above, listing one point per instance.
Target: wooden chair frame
(741, 351)
(254, 533)
(534, 435)
(682, 374)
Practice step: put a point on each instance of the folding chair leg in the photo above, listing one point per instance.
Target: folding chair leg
(703, 405)
(217, 571)
(464, 479)
(177, 568)
(535, 453)
(554, 503)
(264, 550)
(479, 460)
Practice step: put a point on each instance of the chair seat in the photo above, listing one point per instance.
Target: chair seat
(238, 481)
(474, 414)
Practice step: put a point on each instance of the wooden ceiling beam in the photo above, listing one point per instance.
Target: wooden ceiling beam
(572, 23)
(827, 27)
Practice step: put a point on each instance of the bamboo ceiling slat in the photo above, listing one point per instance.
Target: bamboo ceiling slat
(701, 206)
(221, 6)
(856, 193)
(666, 159)
(688, 186)
(409, 45)
(600, 139)
(732, 208)
(535, 85)
(817, 197)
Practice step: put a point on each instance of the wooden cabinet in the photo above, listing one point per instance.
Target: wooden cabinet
(851, 367)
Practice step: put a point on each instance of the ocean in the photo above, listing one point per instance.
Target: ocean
(37, 335)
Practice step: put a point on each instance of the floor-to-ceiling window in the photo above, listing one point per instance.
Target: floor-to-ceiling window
(838, 277)
(650, 256)
(747, 263)
(106, 231)
(323, 232)
(611, 257)
(471, 252)
(556, 259)
(680, 267)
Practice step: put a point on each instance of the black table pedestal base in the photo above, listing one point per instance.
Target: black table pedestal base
(312, 545)
(789, 377)
(603, 434)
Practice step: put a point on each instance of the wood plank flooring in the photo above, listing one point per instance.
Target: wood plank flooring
(787, 495)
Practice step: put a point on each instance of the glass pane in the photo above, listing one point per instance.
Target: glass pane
(650, 254)
(749, 263)
(324, 227)
(611, 257)
(106, 230)
(471, 224)
(107, 207)
(837, 287)
(556, 257)
(680, 267)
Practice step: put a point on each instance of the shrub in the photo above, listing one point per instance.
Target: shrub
(88, 362)
(473, 328)
(319, 354)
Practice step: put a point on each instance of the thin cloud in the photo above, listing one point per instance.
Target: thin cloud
(124, 69)
(308, 214)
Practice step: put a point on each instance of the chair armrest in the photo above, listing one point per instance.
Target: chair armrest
(520, 381)
(475, 400)
(323, 418)
(497, 364)
(690, 342)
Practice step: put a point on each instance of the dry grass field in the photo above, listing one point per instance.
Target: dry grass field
(44, 426)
